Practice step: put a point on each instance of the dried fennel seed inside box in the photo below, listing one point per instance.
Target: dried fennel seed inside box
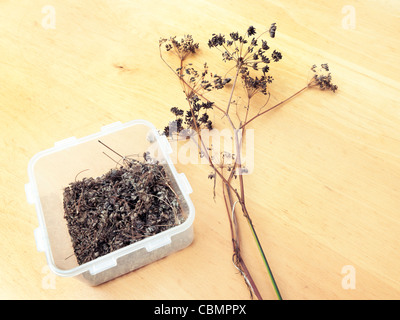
(125, 205)
(99, 220)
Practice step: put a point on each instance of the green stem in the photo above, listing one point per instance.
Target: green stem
(265, 260)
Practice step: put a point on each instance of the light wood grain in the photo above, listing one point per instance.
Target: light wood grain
(325, 192)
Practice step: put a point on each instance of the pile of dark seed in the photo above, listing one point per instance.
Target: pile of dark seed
(121, 207)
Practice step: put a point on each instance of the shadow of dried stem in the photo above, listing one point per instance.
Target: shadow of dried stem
(251, 58)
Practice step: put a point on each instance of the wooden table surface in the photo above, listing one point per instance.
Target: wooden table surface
(325, 191)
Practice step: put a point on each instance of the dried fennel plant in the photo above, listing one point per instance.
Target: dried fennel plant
(249, 58)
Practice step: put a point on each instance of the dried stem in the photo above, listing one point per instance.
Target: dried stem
(244, 59)
(277, 105)
(238, 67)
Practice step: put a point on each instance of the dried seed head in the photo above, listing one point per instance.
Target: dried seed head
(251, 31)
(323, 78)
(181, 47)
(272, 30)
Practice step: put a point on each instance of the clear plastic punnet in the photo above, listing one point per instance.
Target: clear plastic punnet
(50, 171)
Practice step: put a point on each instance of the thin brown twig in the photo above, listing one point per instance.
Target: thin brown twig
(275, 106)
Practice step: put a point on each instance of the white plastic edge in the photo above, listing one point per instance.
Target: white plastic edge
(30, 197)
(165, 144)
(185, 182)
(66, 142)
(161, 242)
(111, 127)
(101, 266)
(40, 243)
